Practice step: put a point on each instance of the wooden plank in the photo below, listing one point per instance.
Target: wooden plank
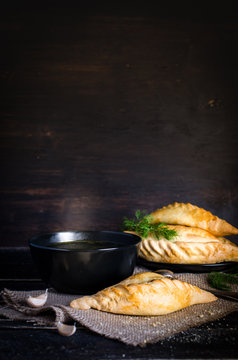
(198, 343)
(16, 266)
(105, 114)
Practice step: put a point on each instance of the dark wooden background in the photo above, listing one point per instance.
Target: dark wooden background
(109, 109)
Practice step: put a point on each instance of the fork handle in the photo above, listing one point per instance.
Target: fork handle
(228, 295)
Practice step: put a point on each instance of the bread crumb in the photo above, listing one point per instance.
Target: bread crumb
(211, 103)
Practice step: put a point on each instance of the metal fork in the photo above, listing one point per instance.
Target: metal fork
(228, 295)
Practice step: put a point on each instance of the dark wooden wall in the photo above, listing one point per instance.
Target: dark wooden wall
(109, 110)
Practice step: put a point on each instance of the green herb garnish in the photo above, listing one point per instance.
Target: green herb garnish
(221, 280)
(143, 227)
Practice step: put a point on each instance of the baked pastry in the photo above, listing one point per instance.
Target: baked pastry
(190, 246)
(146, 293)
(191, 215)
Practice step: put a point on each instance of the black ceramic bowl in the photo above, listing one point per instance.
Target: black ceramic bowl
(83, 262)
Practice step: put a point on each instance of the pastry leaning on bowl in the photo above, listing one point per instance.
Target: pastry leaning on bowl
(198, 240)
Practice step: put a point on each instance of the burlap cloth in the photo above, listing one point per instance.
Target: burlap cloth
(133, 330)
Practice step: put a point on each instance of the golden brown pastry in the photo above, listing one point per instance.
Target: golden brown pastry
(191, 215)
(190, 246)
(145, 294)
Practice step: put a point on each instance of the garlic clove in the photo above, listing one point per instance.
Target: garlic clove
(38, 301)
(65, 330)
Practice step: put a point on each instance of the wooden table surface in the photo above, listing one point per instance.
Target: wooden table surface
(21, 340)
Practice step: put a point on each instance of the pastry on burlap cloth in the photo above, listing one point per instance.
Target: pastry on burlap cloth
(132, 330)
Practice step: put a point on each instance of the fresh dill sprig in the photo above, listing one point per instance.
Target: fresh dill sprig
(221, 280)
(142, 225)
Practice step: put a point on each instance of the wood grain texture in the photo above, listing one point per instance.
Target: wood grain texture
(105, 112)
(211, 341)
